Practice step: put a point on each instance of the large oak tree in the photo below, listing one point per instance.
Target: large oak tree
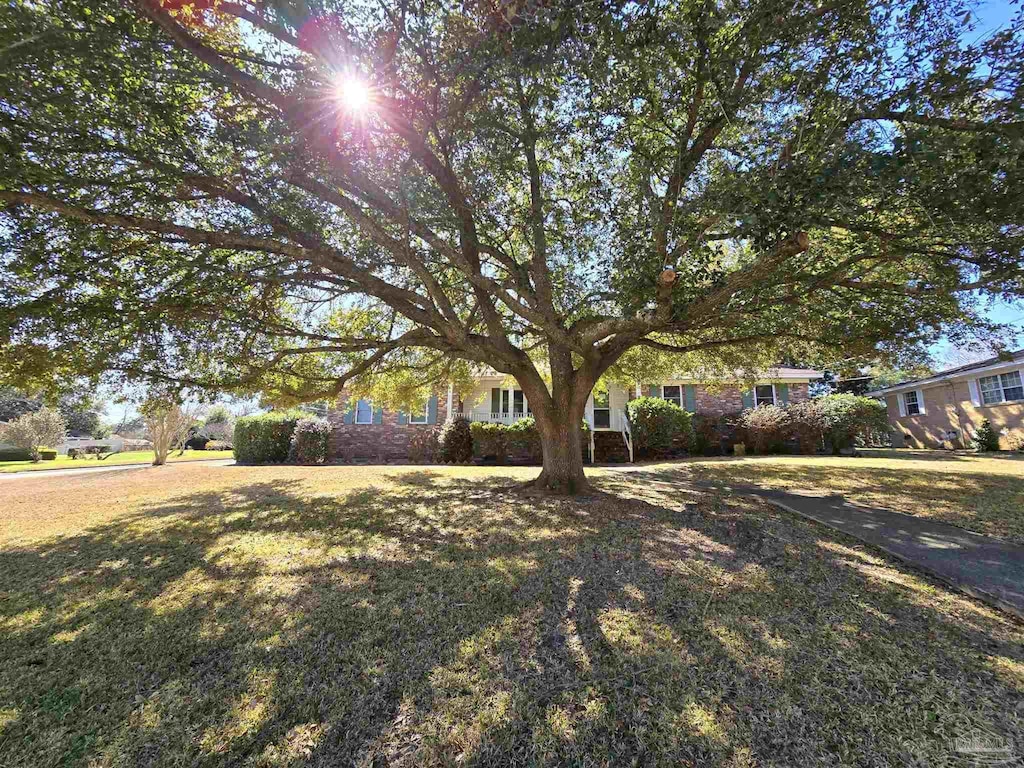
(295, 197)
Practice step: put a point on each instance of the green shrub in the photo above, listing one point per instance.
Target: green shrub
(217, 445)
(265, 438)
(310, 441)
(848, 418)
(15, 454)
(47, 454)
(522, 438)
(986, 438)
(455, 442)
(489, 440)
(809, 423)
(764, 427)
(1016, 443)
(658, 426)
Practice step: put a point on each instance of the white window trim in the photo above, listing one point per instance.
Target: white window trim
(901, 400)
(682, 394)
(426, 416)
(975, 386)
(355, 416)
(775, 394)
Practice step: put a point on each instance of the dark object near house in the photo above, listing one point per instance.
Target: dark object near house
(197, 442)
(48, 454)
(455, 443)
(986, 438)
(14, 454)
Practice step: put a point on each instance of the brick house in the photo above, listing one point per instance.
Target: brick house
(945, 409)
(364, 432)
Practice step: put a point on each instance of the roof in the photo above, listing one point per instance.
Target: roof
(781, 373)
(999, 361)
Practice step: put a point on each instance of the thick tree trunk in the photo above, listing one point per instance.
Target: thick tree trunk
(562, 445)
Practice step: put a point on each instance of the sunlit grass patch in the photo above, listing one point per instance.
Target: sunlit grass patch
(285, 616)
(984, 494)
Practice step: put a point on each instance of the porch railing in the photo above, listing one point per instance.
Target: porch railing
(627, 433)
(491, 417)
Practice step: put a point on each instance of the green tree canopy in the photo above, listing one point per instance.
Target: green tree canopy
(289, 198)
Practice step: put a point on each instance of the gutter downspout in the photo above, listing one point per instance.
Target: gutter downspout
(959, 413)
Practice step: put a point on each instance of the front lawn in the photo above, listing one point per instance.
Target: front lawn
(113, 460)
(982, 493)
(402, 616)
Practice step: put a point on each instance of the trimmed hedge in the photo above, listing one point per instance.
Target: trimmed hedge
(217, 445)
(455, 442)
(15, 454)
(658, 426)
(310, 441)
(518, 440)
(265, 438)
(521, 439)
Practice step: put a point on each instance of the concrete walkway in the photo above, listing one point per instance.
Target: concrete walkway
(41, 473)
(984, 567)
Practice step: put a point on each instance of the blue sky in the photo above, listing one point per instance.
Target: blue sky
(991, 16)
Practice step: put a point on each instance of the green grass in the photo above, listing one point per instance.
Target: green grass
(293, 616)
(117, 459)
(982, 493)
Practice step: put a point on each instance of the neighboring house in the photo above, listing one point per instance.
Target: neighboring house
(947, 408)
(364, 432)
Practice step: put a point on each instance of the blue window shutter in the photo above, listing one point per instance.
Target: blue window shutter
(653, 390)
(350, 413)
(782, 393)
(748, 398)
(378, 415)
(403, 418)
(432, 410)
(691, 398)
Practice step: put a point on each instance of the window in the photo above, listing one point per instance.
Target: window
(419, 417)
(673, 393)
(764, 394)
(1001, 388)
(517, 402)
(364, 412)
(912, 404)
(499, 401)
(602, 411)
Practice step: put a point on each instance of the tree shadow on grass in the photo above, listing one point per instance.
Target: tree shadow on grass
(980, 501)
(443, 620)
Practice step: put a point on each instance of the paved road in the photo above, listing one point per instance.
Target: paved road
(41, 473)
(984, 567)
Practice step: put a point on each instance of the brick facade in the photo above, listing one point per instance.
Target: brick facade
(387, 441)
(729, 399)
(948, 408)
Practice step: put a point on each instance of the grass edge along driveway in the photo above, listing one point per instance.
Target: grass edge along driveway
(114, 460)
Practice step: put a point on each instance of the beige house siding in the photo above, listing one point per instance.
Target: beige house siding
(948, 408)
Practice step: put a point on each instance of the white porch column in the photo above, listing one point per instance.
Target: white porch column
(451, 402)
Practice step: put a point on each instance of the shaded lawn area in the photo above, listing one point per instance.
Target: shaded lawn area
(982, 493)
(286, 616)
(113, 460)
